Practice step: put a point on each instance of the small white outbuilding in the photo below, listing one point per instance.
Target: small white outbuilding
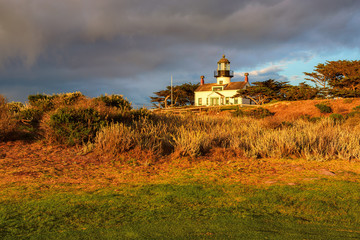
(223, 91)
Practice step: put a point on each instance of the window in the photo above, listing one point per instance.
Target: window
(214, 101)
(200, 101)
(220, 82)
(227, 66)
(207, 101)
(217, 89)
(236, 101)
(227, 100)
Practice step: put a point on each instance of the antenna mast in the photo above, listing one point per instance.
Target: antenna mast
(171, 91)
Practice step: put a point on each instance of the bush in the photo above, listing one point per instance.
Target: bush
(306, 117)
(70, 98)
(47, 103)
(337, 118)
(238, 113)
(75, 126)
(30, 115)
(315, 119)
(34, 99)
(309, 118)
(7, 121)
(324, 108)
(115, 100)
(260, 113)
(140, 113)
(41, 101)
(348, 100)
(356, 109)
(257, 113)
(229, 107)
(353, 114)
(15, 107)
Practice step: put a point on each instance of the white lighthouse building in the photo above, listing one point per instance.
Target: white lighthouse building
(223, 91)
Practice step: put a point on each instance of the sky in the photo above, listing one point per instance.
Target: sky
(133, 47)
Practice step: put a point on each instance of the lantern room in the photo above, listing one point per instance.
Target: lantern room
(223, 73)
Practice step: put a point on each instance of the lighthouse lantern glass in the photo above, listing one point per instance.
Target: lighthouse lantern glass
(227, 66)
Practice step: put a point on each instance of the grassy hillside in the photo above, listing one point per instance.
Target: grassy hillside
(72, 167)
(292, 110)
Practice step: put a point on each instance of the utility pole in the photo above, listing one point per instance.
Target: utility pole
(171, 91)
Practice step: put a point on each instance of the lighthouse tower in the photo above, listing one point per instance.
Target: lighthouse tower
(223, 73)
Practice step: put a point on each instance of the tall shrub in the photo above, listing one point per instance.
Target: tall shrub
(75, 126)
(115, 100)
(43, 102)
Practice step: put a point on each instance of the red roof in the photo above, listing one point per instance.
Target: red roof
(229, 86)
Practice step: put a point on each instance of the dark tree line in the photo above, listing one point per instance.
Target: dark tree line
(182, 95)
(266, 91)
(337, 78)
(332, 79)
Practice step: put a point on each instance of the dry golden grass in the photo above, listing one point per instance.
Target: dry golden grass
(7, 120)
(144, 134)
(199, 147)
(267, 138)
(43, 168)
(115, 139)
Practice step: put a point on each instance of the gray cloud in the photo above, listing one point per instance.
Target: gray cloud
(133, 46)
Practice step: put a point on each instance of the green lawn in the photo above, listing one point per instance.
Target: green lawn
(322, 210)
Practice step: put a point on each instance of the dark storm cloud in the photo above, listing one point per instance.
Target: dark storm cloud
(133, 46)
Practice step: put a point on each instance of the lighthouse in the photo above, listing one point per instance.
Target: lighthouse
(223, 92)
(223, 74)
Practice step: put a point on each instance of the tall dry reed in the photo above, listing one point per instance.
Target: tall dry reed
(196, 135)
(118, 138)
(7, 120)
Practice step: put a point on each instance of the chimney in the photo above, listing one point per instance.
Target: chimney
(202, 82)
(246, 77)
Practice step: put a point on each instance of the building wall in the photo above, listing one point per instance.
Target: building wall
(207, 96)
(224, 80)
